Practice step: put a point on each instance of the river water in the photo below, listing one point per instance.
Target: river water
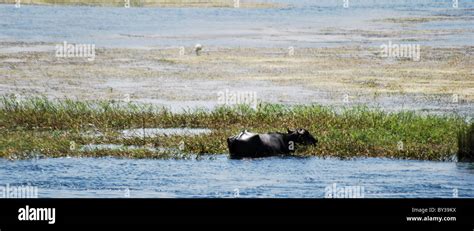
(218, 176)
(306, 23)
(302, 23)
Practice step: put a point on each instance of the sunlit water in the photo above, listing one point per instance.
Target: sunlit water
(302, 23)
(219, 176)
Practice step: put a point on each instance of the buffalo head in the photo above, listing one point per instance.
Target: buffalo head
(303, 136)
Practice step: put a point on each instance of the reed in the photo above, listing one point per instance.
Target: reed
(40, 126)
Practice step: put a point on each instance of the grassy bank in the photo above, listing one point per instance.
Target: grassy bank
(53, 128)
(151, 3)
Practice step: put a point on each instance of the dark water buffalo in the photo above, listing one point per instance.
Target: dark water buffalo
(248, 144)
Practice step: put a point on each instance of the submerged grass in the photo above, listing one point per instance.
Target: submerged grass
(54, 128)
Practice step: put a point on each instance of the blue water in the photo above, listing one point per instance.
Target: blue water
(222, 177)
(302, 23)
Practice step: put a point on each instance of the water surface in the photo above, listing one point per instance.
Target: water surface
(301, 23)
(218, 176)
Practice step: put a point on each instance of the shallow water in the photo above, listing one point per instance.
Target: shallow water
(97, 147)
(153, 132)
(219, 176)
(305, 23)
(302, 23)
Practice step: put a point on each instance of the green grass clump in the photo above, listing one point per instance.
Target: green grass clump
(49, 127)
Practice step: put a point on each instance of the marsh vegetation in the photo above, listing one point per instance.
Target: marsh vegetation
(38, 126)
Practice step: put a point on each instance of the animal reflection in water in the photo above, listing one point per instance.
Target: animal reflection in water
(247, 144)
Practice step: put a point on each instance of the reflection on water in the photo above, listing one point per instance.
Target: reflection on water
(218, 176)
(467, 167)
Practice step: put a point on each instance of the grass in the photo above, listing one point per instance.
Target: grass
(41, 127)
